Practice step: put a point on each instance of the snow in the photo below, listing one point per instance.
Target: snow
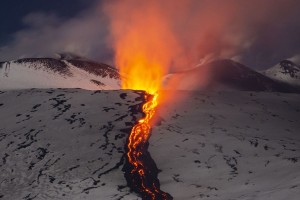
(64, 143)
(84, 78)
(69, 143)
(229, 145)
(38, 75)
(278, 73)
(209, 145)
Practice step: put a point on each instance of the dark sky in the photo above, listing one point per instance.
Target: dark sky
(13, 11)
(256, 33)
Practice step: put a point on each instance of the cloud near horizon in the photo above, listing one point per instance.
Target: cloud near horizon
(46, 34)
(256, 33)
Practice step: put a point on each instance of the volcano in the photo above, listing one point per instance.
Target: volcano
(65, 72)
(225, 141)
(220, 75)
(70, 144)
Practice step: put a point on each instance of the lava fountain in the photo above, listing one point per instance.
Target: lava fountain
(144, 46)
(140, 170)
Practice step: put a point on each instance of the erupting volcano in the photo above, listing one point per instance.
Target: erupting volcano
(140, 169)
(144, 73)
(143, 44)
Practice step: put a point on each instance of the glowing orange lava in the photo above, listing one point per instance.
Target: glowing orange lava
(138, 137)
(144, 46)
(141, 62)
(142, 75)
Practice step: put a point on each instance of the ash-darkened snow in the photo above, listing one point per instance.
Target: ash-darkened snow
(229, 145)
(64, 143)
(69, 144)
(285, 71)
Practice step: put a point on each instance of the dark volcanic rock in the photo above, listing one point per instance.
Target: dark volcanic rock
(238, 76)
(290, 68)
(229, 75)
(98, 69)
(146, 184)
(50, 63)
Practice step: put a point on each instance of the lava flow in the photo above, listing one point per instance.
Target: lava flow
(140, 169)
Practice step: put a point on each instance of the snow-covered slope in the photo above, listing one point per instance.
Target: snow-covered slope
(226, 75)
(71, 71)
(229, 145)
(69, 144)
(57, 73)
(64, 143)
(285, 71)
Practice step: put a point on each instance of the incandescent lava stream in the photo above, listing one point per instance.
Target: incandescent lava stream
(140, 169)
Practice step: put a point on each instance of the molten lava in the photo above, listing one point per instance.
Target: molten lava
(142, 63)
(140, 170)
(144, 47)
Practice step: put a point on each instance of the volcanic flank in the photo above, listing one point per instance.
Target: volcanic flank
(69, 144)
(225, 74)
(65, 143)
(73, 144)
(64, 72)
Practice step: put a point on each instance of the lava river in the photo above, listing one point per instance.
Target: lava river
(140, 169)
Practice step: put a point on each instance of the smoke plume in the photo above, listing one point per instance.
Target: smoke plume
(256, 33)
(206, 30)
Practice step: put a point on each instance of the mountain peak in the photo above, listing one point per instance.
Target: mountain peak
(290, 68)
(226, 74)
(285, 71)
(68, 56)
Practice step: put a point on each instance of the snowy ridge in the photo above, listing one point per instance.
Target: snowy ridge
(220, 75)
(53, 73)
(285, 71)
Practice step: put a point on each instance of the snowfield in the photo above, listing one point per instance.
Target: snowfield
(69, 144)
(53, 73)
(229, 145)
(64, 143)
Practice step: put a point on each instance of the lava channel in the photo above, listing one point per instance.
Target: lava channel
(140, 169)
